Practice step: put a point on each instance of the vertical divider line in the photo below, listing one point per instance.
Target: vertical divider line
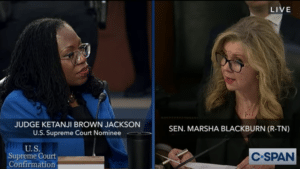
(153, 81)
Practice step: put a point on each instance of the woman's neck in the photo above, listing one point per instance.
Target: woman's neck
(74, 104)
(248, 98)
(247, 108)
(247, 104)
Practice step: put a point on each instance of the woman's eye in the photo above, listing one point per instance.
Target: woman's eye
(70, 55)
(239, 61)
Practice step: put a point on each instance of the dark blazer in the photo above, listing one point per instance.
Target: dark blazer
(233, 151)
(289, 29)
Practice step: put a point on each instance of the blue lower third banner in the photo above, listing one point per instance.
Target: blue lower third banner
(272, 156)
(31, 155)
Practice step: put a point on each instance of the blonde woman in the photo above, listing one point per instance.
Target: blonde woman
(250, 83)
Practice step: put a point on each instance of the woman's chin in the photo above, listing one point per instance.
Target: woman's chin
(230, 88)
(79, 82)
(83, 80)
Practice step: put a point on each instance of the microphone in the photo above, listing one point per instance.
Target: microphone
(99, 10)
(102, 15)
(102, 97)
(213, 147)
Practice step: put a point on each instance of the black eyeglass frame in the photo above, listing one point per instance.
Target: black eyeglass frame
(229, 61)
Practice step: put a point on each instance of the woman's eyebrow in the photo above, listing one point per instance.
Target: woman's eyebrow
(236, 55)
(65, 48)
(71, 46)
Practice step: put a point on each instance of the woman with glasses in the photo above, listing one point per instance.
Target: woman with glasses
(49, 79)
(250, 85)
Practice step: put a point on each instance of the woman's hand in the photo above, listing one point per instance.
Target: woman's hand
(245, 165)
(180, 159)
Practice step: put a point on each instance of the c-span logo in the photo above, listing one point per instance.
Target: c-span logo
(272, 156)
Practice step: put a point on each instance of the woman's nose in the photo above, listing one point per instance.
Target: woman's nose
(81, 58)
(227, 67)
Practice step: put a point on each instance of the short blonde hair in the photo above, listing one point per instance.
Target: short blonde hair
(265, 53)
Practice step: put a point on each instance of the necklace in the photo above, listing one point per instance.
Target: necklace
(71, 98)
(248, 113)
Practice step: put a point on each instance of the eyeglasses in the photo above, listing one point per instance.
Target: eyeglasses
(84, 49)
(234, 65)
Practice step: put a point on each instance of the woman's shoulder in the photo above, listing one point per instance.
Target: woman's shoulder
(16, 94)
(17, 105)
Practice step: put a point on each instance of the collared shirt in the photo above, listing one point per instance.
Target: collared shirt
(275, 20)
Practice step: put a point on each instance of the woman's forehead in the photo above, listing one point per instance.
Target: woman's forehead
(66, 33)
(67, 37)
(66, 30)
(235, 47)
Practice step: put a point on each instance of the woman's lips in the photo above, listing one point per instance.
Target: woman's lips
(84, 72)
(229, 80)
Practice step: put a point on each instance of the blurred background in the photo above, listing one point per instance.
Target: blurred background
(183, 32)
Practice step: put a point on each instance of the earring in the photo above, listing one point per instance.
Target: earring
(257, 76)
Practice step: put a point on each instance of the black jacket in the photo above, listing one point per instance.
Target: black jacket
(233, 151)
